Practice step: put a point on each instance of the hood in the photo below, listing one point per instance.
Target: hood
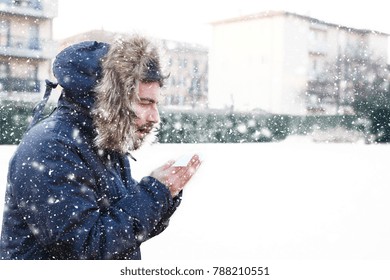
(104, 79)
(77, 69)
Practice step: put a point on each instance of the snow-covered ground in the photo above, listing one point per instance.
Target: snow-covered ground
(290, 200)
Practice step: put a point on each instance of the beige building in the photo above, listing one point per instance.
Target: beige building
(187, 85)
(26, 47)
(271, 62)
(186, 64)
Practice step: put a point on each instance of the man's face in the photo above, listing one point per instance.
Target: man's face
(146, 110)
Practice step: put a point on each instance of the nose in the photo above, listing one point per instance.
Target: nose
(154, 115)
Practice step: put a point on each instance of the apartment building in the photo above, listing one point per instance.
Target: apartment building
(187, 84)
(26, 47)
(186, 63)
(276, 62)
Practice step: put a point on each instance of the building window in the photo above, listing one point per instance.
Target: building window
(195, 68)
(317, 41)
(183, 63)
(21, 3)
(4, 33)
(4, 70)
(35, 4)
(34, 37)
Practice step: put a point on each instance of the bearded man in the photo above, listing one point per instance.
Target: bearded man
(70, 193)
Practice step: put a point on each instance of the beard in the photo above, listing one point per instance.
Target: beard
(144, 134)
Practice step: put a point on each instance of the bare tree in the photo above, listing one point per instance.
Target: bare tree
(355, 82)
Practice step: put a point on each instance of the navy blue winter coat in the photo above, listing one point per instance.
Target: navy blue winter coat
(67, 200)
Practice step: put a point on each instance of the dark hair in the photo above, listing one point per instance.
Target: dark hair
(152, 73)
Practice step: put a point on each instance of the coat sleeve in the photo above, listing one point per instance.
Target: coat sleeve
(57, 196)
(164, 222)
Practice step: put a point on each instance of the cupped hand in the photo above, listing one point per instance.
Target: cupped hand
(176, 177)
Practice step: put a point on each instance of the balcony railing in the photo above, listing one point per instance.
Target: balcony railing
(32, 8)
(29, 48)
(19, 85)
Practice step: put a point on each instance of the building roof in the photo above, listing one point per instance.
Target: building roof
(268, 14)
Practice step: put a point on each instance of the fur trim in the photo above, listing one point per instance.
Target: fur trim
(125, 65)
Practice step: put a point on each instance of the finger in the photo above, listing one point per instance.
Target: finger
(189, 172)
(193, 167)
(179, 176)
(195, 160)
(168, 164)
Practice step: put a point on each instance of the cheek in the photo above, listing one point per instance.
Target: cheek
(140, 112)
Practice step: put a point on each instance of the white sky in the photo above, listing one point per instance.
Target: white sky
(188, 20)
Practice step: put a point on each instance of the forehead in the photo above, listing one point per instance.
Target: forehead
(149, 90)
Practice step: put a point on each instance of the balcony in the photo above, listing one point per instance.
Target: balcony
(30, 8)
(19, 85)
(34, 48)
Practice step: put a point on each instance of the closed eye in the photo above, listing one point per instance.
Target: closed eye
(148, 101)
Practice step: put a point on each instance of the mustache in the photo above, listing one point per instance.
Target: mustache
(147, 128)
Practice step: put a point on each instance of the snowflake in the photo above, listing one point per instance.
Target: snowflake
(38, 166)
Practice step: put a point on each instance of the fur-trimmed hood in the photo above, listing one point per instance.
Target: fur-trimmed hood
(103, 78)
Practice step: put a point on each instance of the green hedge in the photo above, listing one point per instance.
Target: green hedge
(15, 116)
(221, 127)
(197, 126)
